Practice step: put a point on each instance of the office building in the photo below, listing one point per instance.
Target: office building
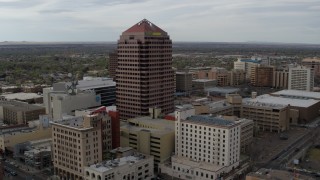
(237, 77)
(148, 135)
(15, 112)
(10, 137)
(113, 63)
(247, 65)
(79, 142)
(30, 98)
(221, 75)
(301, 78)
(313, 63)
(206, 147)
(183, 82)
(267, 113)
(262, 76)
(61, 103)
(144, 75)
(135, 167)
(105, 87)
(202, 84)
(280, 79)
(304, 105)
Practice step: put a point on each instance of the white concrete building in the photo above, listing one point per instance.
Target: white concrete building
(206, 147)
(301, 78)
(59, 103)
(134, 167)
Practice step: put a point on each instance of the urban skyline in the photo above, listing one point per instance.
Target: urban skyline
(209, 21)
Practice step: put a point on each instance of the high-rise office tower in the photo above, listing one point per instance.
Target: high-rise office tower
(144, 74)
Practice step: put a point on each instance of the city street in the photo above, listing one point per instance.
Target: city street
(23, 174)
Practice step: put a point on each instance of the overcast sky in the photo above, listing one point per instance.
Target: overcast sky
(293, 21)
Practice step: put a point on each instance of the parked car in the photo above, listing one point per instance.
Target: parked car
(13, 173)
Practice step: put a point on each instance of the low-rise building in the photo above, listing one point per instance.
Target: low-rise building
(149, 135)
(202, 84)
(38, 153)
(13, 136)
(267, 116)
(30, 98)
(136, 166)
(15, 112)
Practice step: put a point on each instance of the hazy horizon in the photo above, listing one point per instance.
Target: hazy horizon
(279, 21)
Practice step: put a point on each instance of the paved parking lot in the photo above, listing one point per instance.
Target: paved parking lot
(268, 145)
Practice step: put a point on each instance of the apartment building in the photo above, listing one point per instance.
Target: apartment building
(80, 142)
(145, 78)
(262, 76)
(206, 147)
(301, 78)
(237, 77)
(136, 166)
(149, 136)
(247, 65)
(280, 79)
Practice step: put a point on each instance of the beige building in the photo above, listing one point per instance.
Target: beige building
(135, 167)
(280, 79)
(149, 136)
(237, 77)
(145, 78)
(80, 142)
(12, 136)
(313, 63)
(221, 75)
(183, 82)
(206, 147)
(267, 116)
(14, 112)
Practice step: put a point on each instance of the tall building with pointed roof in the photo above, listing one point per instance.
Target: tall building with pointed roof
(144, 75)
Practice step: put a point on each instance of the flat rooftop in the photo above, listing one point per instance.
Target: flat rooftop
(204, 80)
(196, 164)
(278, 101)
(113, 164)
(21, 96)
(72, 123)
(156, 123)
(222, 90)
(297, 94)
(209, 121)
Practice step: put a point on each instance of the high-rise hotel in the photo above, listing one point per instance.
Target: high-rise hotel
(144, 74)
